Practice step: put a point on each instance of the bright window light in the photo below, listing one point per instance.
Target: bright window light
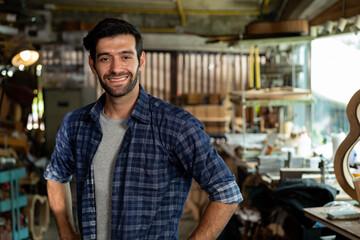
(335, 71)
(335, 77)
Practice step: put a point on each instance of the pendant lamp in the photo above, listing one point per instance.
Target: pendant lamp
(24, 55)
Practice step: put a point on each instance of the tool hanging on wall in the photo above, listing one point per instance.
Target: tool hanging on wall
(257, 69)
(251, 67)
(254, 60)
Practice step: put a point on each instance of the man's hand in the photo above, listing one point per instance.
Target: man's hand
(213, 221)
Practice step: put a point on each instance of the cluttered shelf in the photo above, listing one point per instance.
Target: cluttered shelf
(272, 97)
(20, 145)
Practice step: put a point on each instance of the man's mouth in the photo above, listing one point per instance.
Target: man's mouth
(118, 78)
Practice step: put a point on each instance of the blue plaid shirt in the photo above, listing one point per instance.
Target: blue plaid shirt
(162, 150)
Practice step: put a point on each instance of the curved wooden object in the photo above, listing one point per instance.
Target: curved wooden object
(37, 207)
(341, 160)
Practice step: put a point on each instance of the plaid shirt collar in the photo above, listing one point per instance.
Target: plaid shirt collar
(140, 112)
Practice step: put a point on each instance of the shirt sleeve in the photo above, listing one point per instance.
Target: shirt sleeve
(201, 160)
(62, 165)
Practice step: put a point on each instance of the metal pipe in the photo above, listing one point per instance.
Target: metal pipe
(181, 12)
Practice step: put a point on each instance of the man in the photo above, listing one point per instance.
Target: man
(134, 155)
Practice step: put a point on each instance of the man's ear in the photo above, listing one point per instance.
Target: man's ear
(142, 61)
(92, 65)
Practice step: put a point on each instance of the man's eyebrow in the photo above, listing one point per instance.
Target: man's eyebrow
(101, 54)
(121, 52)
(128, 52)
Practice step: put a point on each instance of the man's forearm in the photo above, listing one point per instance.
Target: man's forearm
(213, 221)
(59, 196)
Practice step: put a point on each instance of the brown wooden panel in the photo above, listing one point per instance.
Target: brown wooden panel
(352, 8)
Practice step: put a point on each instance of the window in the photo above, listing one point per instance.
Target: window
(335, 77)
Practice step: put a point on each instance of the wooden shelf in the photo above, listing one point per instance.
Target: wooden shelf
(282, 68)
(19, 145)
(277, 103)
(282, 93)
(215, 119)
(272, 97)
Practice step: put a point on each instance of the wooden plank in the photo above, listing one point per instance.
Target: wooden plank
(152, 74)
(209, 72)
(196, 79)
(159, 75)
(184, 79)
(168, 77)
(148, 73)
(179, 74)
(221, 74)
(237, 79)
(205, 78)
(352, 8)
(190, 67)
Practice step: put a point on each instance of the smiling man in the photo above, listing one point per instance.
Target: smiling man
(134, 155)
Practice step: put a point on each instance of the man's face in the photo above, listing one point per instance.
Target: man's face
(117, 65)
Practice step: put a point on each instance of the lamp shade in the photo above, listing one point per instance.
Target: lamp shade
(24, 55)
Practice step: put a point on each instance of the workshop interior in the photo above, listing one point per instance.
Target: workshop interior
(276, 84)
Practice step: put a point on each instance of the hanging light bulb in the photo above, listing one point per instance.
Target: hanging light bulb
(21, 67)
(24, 55)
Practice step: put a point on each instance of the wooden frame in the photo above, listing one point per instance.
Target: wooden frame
(341, 160)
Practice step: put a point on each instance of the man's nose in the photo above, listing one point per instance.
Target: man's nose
(116, 65)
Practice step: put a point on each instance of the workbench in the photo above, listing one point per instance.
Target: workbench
(349, 228)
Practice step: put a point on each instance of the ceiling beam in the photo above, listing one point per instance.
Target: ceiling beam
(341, 9)
(305, 9)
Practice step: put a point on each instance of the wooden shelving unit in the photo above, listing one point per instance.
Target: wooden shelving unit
(19, 145)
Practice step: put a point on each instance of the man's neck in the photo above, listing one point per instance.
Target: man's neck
(121, 107)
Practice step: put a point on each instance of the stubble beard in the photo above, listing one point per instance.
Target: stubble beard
(127, 88)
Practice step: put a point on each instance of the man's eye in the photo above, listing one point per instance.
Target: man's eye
(127, 57)
(104, 59)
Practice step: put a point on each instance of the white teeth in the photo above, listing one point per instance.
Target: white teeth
(117, 79)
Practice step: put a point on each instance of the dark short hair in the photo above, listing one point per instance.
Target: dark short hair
(111, 27)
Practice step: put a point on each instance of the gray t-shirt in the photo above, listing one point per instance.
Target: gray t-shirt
(103, 163)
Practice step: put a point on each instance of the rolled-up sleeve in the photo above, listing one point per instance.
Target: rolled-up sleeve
(202, 161)
(227, 192)
(61, 166)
